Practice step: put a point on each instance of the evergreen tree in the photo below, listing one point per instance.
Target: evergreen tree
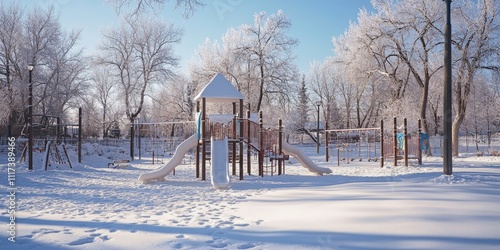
(303, 107)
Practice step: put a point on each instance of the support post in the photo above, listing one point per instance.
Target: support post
(249, 147)
(261, 145)
(338, 157)
(132, 138)
(317, 130)
(233, 141)
(58, 130)
(395, 142)
(280, 153)
(419, 150)
(326, 142)
(447, 96)
(30, 119)
(203, 139)
(381, 143)
(198, 130)
(405, 142)
(139, 144)
(241, 135)
(80, 128)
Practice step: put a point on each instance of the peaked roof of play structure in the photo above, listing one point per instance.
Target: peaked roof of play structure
(219, 89)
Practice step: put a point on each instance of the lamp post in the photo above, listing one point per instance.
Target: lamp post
(447, 108)
(318, 103)
(30, 119)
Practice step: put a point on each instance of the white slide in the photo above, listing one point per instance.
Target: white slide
(179, 154)
(220, 164)
(303, 159)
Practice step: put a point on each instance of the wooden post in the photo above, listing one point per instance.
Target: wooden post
(203, 139)
(395, 142)
(132, 135)
(338, 156)
(326, 141)
(58, 130)
(240, 119)
(405, 142)
(249, 147)
(197, 160)
(233, 141)
(261, 145)
(30, 120)
(381, 143)
(280, 153)
(419, 150)
(139, 143)
(80, 135)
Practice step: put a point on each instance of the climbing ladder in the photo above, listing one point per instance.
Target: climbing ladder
(54, 156)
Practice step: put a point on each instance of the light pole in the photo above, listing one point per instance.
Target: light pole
(318, 103)
(30, 119)
(447, 108)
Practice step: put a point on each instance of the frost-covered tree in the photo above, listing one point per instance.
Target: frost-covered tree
(270, 48)
(398, 49)
(475, 41)
(140, 6)
(102, 91)
(411, 37)
(11, 63)
(256, 58)
(323, 83)
(35, 37)
(139, 54)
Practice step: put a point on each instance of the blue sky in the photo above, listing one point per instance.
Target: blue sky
(314, 22)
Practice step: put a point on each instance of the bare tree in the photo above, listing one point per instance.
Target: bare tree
(37, 38)
(270, 49)
(102, 92)
(11, 41)
(256, 58)
(475, 42)
(414, 40)
(65, 79)
(139, 54)
(139, 6)
(323, 83)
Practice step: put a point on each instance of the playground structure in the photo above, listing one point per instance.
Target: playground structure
(159, 139)
(226, 136)
(375, 145)
(50, 139)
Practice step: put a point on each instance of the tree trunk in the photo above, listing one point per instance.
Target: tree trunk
(261, 89)
(455, 129)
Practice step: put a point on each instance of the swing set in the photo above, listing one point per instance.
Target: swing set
(353, 144)
(373, 144)
(159, 139)
(48, 130)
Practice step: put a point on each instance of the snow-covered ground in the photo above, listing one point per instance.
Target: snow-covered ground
(359, 206)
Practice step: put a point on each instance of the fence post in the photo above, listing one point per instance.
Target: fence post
(249, 147)
(326, 141)
(203, 139)
(80, 135)
(233, 143)
(405, 142)
(241, 135)
(419, 150)
(197, 160)
(280, 137)
(395, 142)
(261, 145)
(382, 143)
